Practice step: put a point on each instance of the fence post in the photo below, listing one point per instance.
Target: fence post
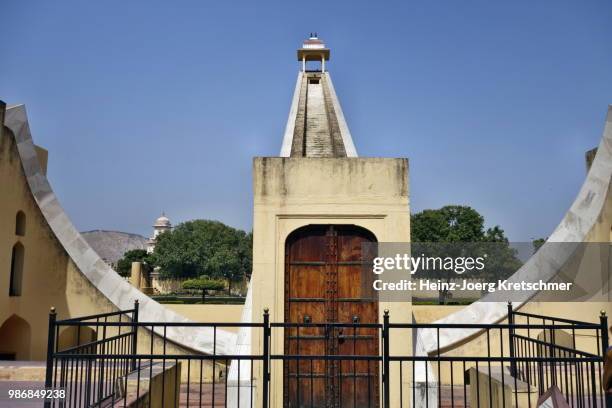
(266, 358)
(603, 319)
(135, 333)
(50, 351)
(385, 334)
(511, 340)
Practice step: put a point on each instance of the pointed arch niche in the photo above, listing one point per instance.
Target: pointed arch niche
(15, 338)
(20, 224)
(17, 258)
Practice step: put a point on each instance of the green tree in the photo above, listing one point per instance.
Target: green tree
(462, 224)
(202, 247)
(233, 264)
(124, 265)
(203, 284)
(537, 243)
(452, 223)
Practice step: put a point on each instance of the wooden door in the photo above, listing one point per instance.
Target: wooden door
(323, 284)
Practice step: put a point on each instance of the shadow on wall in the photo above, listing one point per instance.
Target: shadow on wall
(15, 336)
(76, 336)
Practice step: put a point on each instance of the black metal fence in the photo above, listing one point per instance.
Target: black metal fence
(507, 364)
(112, 360)
(117, 368)
(78, 355)
(567, 354)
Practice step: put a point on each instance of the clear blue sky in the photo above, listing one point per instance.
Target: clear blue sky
(148, 105)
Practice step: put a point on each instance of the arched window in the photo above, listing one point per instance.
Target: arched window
(20, 223)
(16, 270)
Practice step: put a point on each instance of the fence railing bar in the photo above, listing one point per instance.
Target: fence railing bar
(160, 324)
(50, 350)
(109, 356)
(585, 326)
(85, 346)
(552, 346)
(555, 319)
(385, 357)
(266, 359)
(332, 324)
(95, 316)
(483, 359)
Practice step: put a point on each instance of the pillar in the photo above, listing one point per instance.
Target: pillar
(136, 274)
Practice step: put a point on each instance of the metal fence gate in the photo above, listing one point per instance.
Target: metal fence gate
(100, 361)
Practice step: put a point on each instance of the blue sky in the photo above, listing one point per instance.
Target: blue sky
(150, 106)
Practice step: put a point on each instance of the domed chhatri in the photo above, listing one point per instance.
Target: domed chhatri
(313, 42)
(162, 224)
(313, 49)
(162, 221)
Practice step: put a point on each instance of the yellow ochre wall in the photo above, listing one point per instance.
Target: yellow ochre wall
(50, 278)
(293, 192)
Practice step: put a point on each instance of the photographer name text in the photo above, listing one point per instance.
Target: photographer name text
(469, 285)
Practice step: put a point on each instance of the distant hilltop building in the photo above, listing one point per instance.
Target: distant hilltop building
(112, 245)
(162, 224)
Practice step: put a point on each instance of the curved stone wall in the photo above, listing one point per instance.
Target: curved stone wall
(583, 222)
(112, 286)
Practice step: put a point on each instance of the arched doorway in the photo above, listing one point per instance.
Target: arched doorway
(323, 284)
(73, 336)
(15, 336)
